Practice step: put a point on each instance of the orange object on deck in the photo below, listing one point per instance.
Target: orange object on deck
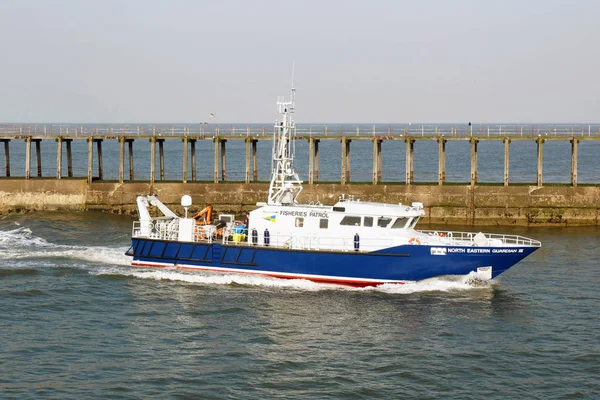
(205, 211)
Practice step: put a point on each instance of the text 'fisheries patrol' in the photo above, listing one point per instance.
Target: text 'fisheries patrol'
(318, 214)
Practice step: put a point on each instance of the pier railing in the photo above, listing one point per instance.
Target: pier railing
(237, 130)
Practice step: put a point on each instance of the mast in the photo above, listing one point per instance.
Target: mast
(285, 184)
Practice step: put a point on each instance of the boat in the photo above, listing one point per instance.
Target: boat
(353, 242)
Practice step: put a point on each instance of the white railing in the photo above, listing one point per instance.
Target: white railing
(163, 229)
(168, 229)
(211, 130)
(468, 238)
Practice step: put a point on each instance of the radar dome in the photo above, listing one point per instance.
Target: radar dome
(186, 200)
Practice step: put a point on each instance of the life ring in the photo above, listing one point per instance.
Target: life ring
(414, 240)
(441, 234)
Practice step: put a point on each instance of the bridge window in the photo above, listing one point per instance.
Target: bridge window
(368, 221)
(299, 222)
(350, 220)
(383, 222)
(399, 223)
(413, 222)
(323, 223)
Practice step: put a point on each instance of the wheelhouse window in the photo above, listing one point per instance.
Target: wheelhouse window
(323, 223)
(399, 223)
(368, 221)
(413, 222)
(383, 222)
(350, 220)
(299, 222)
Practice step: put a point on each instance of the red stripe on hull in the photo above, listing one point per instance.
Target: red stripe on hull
(338, 281)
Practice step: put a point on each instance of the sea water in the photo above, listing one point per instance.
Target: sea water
(77, 321)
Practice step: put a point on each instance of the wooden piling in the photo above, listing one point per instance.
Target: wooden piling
(130, 149)
(540, 157)
(152, 159)
(474, 161)
(69, 158)
(6, 156)
(441, 160)
(59, 157)
(248, 142)
(506, 160)
(311, 160)
(317, 159)
(90, 158)
(184, 173)
(345, 178)
(410, 163)
(254, 161)
(161, 157)
(28, 157)
(38, 156)
(574, 145)
(193, 151)
(223, 160)
(216, 160)
(100, 164)
(376, 161)
(121, 159)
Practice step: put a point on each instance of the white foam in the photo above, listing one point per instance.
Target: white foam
(442, 284)
(21, 237)
(21, 244)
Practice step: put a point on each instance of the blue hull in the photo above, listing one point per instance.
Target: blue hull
(397, 264)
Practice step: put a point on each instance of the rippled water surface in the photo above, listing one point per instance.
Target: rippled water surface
(78, 322)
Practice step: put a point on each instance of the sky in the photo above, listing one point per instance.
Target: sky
(177, 61)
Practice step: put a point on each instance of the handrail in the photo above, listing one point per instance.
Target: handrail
(302, 130)
(467, 238)
(169, 229)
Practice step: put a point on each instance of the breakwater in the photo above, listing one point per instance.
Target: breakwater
(454, 204)
(508, 177)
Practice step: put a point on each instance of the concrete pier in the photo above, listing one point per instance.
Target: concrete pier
(447, 204)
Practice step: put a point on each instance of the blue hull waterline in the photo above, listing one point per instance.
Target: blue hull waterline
(401, 264)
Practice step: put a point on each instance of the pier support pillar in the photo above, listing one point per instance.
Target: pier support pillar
(6, 156)
(316, 165)
(27, 158)
(152, 159)
(69, 158)
(574, 145)
(345, 160)
(376, 161)
(254, 161)
(506, 160)
(540, 158)
(216, 160)
(59, 157)
(193, 151)
(410, 161)
(121, 159)
(90, 158)
(223, 160)
(473, 161)
(130, 149)
(311, 161)
(99, 151)
(161, 157)
(38, 156)
(248, 142)
(441, 161)
(185, 159)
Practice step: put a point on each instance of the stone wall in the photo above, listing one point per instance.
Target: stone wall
(448, 204)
